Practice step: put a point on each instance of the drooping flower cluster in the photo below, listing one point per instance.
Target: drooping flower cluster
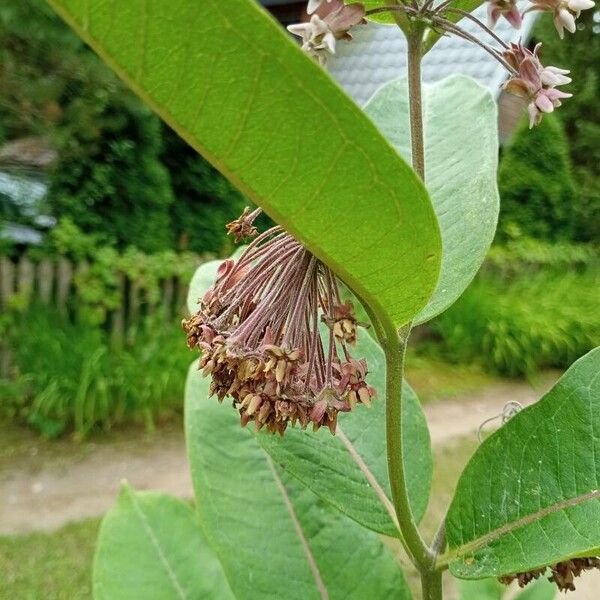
(258, 329)
(534, 82)
(330, 20)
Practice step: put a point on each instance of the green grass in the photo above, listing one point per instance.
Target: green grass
(49, 566)
(69, 378)
(435, 379)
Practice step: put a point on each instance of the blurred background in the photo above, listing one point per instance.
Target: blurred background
(105, 214)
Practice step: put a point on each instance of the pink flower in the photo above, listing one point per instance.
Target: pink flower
(506, 8)
(328, 22)
(565, 12)
(534, 82)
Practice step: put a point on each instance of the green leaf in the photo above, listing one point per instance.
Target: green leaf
(461, 156)
(350, 470)
(530, 496)
(232, 83)
(480, 589)
(274, 537)
(432, 36)
(151, 546)
(386, 17)
(542, 589)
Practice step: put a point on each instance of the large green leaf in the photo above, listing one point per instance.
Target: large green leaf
(231, 82)
(151, 546)
(530, 496)
(350, 470)
(275, 538)
(461, 146)
(433, 35)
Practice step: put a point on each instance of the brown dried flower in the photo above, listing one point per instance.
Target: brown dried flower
(258, 332)
(242, 228)
(563, 573)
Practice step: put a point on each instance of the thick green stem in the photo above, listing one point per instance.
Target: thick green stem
(431, 585)
(395, 348)
(394, 344)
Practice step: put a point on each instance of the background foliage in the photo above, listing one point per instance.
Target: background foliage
(120, 174)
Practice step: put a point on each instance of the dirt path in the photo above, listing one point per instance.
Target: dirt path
(40, 492)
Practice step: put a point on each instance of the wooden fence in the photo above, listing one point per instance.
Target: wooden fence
(53, 283)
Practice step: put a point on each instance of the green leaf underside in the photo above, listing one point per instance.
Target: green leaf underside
(273, 536)
(151, 546)
(349, 470)
(530, 496)
(432, 37)
(231, 82)
(461, 145)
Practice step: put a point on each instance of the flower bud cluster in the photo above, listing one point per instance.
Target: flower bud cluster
(330, 20)
(258, 330)
(534, 82)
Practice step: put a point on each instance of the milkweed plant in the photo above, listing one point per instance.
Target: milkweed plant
(391, 208)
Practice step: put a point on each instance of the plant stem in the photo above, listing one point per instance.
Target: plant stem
(394, 344)
(395, 348)
(431, 585)
(415, 54)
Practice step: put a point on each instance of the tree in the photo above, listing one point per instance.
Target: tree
(580, 114)
(536, 185)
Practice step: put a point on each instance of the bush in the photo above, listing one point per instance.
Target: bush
(536, 185)
(538, 321)
(69, 378)
(528, 255)
(580, 114)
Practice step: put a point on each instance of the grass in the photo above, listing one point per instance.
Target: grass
(49, 566)
(435, 379)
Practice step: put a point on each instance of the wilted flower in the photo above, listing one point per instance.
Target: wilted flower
(506, 8)
(258, 332)
(242, 228)
(534, 82)
(565, 12)
(329, 22)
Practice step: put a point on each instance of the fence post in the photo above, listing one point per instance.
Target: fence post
(25, 279)
(63, 284)
(7, 280)
(45, 277)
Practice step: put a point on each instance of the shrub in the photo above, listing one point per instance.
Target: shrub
(580, 114)
(537, 321)
(536, 185)
(68, 378)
